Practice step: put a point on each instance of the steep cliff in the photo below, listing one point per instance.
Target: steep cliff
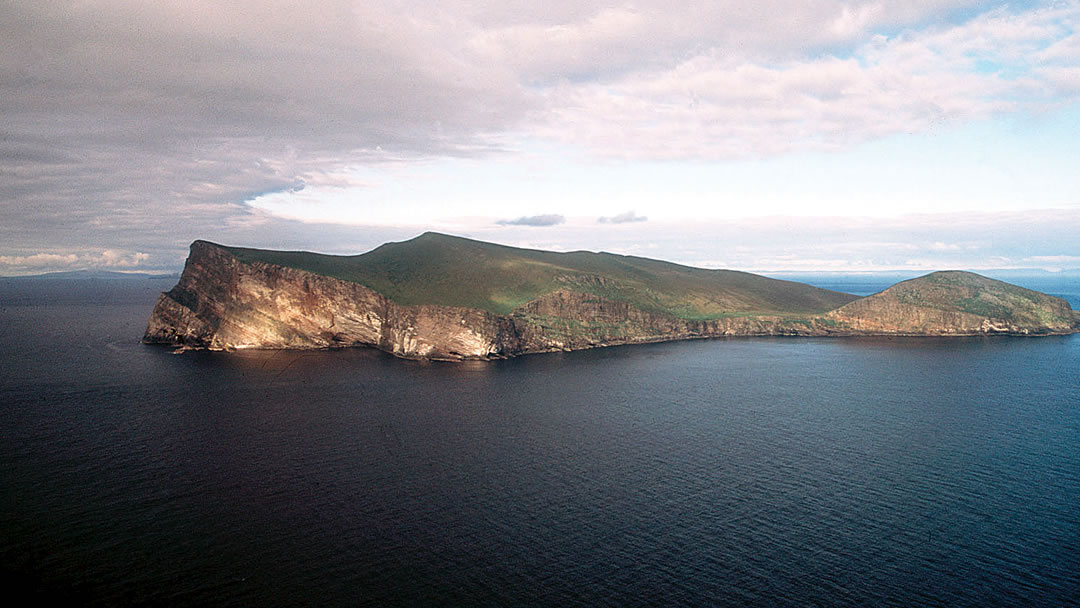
(228, 298)
(222, 302)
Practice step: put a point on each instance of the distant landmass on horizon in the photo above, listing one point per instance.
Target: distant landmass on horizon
(444, 297)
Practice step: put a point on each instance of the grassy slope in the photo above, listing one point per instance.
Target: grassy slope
(972, 293)
(439, 269)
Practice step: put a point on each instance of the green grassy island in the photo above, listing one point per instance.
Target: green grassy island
(445, 297)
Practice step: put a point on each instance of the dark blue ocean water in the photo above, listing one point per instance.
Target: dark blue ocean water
(771, 472)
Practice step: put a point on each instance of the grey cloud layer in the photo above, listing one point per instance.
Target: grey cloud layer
(129, 127)
(551, 219)
(122, 121)
(622, 218)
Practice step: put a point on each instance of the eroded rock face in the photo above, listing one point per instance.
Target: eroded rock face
(223, 303)
(572, 320)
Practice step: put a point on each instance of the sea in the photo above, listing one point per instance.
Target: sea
(724, 472)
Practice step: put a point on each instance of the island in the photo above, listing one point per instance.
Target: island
(451, 298)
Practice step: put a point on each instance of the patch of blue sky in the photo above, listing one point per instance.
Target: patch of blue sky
(1006, 71)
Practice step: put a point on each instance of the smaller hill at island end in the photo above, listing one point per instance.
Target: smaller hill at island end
(444, 297)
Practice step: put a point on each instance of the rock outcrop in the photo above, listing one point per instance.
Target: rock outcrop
(222, 302)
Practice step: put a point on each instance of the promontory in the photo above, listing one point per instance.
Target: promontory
(444, 297)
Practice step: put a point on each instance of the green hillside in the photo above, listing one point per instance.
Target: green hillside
(453, 271)
(966, 292)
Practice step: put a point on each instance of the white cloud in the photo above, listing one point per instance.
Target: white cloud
(109, 258)
(596, 40)
(1031, 239)
(39, 260)
(1053, 263)
(723, 105)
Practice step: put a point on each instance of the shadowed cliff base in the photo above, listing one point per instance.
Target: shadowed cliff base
(444, 297)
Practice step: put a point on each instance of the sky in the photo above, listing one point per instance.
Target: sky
(776, 135)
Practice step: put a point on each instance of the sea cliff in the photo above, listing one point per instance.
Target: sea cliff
(224, 302)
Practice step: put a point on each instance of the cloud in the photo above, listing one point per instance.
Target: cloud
(139, 126)
(726, 105)
(550, 219)
(590, 41)
(109, 258)
(977, 240)
(622, 218)
(39, 260)
(122, 118)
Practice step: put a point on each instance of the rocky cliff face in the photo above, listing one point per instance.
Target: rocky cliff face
(572, 320)
(221, 302)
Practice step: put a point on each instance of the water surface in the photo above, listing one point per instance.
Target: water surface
(786, 471)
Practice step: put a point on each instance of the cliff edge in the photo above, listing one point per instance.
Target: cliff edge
(524, 301)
